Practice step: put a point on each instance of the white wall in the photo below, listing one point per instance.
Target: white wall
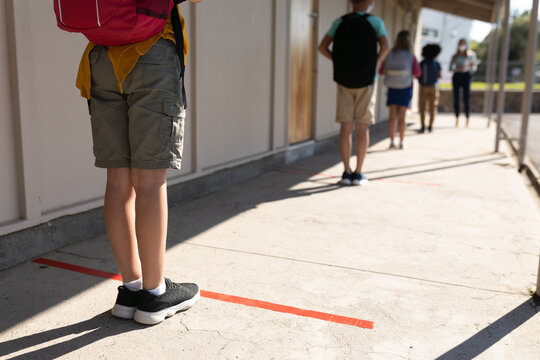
(9, 209)
(63, 151)
(234, 80)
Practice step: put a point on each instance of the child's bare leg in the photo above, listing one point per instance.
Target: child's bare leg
(402, 111)
(120, 222)
(362, 144)
(345, 144)
(151, 223)
(392, 122)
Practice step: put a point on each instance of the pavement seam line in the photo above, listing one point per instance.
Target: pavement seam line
(356, 269)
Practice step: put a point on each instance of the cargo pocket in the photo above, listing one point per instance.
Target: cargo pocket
(171, 127)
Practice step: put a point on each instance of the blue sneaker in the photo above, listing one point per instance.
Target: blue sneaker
(346, 178)
(359, 179)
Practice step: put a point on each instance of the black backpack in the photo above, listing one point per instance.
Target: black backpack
(354, 52)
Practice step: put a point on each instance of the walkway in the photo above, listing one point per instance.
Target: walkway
(437, 255)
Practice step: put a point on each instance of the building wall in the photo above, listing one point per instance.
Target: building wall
(8, 176)
(233, 106)
(237, 84)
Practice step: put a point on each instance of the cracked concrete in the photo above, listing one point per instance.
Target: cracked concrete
(442, 260)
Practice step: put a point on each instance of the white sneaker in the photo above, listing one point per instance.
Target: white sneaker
(402, 145)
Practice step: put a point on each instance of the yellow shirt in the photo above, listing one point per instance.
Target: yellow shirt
(124, 57)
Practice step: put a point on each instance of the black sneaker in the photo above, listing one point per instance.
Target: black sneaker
(126, 303)
(422, 130)
(430, 129)
(346, 178)
(154, 309)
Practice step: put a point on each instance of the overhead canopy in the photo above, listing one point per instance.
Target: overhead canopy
(482, 10)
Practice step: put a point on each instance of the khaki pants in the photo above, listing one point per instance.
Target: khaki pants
(429, 97)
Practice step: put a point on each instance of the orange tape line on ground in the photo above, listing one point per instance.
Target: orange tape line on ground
(223, 297)
(79, 269)
(288, 309)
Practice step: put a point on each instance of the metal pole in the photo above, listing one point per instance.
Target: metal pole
(491, 66)
(490, 75)
(503, 70)
(529, 82)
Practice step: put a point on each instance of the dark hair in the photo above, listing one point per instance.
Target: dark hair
(431, 51)
(403, 41)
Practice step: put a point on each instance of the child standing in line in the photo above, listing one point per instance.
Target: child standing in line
(359, 43)
(399, 68)
(133, 79)
(429, 89)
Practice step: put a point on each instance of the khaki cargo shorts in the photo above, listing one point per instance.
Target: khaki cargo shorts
(143, 127)
(355, 105)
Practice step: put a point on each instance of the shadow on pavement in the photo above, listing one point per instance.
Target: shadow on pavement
(439, 168)
(186, 220)
(494, 332)
(438, 162)
(95, 329)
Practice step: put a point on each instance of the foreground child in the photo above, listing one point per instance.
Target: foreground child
(133, 79)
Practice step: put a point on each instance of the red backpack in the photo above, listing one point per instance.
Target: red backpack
(113, 22)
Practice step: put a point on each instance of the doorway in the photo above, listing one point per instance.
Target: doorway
(302, 50)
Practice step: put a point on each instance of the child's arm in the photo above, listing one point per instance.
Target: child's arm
(383, 43)
(324, 47)
(417, 72)
(381, 68)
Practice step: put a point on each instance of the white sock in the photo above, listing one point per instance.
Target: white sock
(160, 290)
(134, 285)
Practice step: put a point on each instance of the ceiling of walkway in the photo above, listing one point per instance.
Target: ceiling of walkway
(473, 9)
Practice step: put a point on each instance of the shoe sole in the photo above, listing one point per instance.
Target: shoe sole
(345, 182)
(123, 312)
(360, 182)
(153, 318)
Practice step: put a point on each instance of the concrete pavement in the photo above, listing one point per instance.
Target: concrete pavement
(439, 251)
